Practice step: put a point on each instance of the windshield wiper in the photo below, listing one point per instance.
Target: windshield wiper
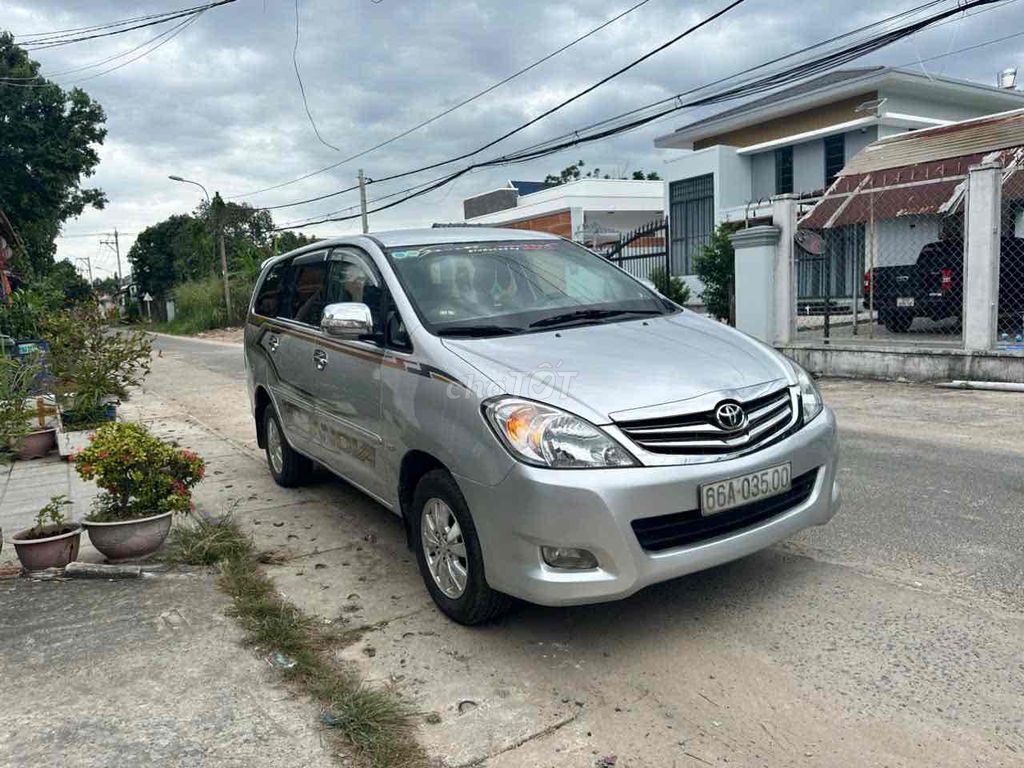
(589, 314)
(471, 331)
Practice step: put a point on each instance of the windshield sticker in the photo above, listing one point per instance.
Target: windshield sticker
(405, 254)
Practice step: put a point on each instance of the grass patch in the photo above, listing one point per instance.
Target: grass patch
(374, 721)
(203, 541)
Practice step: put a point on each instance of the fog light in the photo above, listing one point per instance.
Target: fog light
(568, 557)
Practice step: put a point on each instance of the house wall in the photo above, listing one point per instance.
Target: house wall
(800, 122)
(809, 166)
(762, 175)
(559, 223)
(899, 241)
(731, 173)
(619, 221)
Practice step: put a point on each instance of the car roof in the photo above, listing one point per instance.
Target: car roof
(397, 238)
(436, 235)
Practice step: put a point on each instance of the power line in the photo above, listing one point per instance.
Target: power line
(768, 82)
(448, 111)
(62, 40)
(749, 70)
(167, 35)
(94, 27)
(547, 113)
(302, 88)
(84, 67)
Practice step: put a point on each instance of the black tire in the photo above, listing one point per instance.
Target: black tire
(295, 469)
(897, 321)
(478, 603)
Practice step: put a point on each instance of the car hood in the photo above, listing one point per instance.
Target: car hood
(599, 370)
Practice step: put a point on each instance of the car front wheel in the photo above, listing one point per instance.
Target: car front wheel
(448, 552)
(287, 467)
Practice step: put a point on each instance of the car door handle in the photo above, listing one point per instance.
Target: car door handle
(272, 341)
(320, 359)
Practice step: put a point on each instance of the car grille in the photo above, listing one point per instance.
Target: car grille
(684, 528)
(768, 417)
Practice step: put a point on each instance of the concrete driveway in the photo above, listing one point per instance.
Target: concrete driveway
(890, 637)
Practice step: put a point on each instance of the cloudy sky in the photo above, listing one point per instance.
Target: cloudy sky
(220, 103)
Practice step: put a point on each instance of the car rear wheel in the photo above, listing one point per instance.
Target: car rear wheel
(896, 321)
(287, 467)
(448, 552)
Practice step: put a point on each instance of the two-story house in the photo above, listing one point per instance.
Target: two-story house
(798, 139)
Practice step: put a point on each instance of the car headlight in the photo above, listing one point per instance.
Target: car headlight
(810, 397)
(548, 437)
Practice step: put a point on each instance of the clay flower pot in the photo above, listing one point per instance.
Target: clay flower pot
(36, 445)
(55, 550)
(129, 539)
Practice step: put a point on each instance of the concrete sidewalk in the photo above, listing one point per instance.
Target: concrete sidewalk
(26, 486)
(140, 672)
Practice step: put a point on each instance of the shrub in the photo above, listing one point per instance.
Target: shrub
(199, 304)
(140, 475)
(91, 363)
(15, 387)
(672, 288)
(50, 520)
(715, 265)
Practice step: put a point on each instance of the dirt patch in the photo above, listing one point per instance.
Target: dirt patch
(228, 335)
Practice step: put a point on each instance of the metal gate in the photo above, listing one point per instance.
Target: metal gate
(643, 251)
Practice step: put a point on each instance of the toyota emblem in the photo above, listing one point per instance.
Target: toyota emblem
(730, 416)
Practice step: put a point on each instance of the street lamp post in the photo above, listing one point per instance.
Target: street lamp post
(219, 244)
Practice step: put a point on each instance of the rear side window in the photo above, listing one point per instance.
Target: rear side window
(309, 292)
(268, 300)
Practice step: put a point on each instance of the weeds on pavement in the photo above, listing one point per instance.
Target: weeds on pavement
(373, 720)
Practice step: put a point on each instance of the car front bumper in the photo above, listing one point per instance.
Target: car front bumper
(593, 509)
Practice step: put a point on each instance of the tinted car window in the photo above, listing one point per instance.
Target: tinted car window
(309, 290)
(271, 291)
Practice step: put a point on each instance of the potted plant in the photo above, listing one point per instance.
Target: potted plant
(19, 436)
(143, 480)
(93, 368)
(52, 542)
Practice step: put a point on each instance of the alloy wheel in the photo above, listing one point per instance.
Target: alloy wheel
(444, 548)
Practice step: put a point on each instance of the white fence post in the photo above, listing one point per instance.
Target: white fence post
(784, 217)
(756, 257)
(981, 256)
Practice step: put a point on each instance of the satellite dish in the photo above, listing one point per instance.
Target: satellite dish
(809, 241)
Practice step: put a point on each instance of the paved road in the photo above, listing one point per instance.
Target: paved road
(891, 636)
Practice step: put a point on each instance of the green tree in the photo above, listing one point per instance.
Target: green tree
(49, 144)
(105, 285)
(575, 172)
(168, 253)
(715, 265)
(288, 241)
(671, 287)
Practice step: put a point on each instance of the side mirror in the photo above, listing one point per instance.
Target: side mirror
(348, 320)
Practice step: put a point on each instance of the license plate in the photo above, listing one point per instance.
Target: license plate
(905, 301)
(737, 491)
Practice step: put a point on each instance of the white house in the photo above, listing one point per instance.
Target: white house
(797, 140)
(590, 211)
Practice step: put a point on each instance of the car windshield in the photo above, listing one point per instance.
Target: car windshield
(501, 288)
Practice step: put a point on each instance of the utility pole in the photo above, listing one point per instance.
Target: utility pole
(117, 252)
(362, 200)
(223, 255)
(88, 263)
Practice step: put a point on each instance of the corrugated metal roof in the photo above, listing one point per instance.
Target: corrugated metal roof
(978, 136)
(922, 173)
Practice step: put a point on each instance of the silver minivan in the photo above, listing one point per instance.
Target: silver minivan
(547, 427)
